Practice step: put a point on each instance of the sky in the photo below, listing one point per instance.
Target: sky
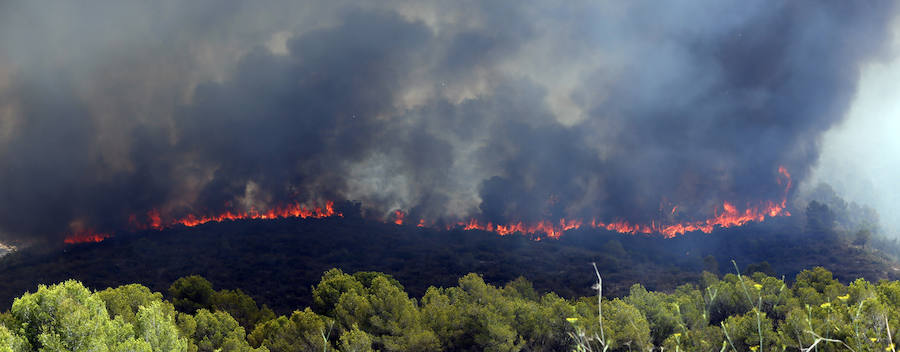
(500, 111)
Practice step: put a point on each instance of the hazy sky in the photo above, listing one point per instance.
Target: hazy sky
(861, 156)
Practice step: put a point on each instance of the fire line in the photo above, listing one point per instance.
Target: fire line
(727, 216)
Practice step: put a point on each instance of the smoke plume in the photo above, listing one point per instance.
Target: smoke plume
(502, 111)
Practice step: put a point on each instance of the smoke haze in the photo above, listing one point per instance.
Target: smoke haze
(860, 155)
(502, 111)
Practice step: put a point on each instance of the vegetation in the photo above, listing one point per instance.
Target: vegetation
(673, 308)
(369, 311)
(257, 256)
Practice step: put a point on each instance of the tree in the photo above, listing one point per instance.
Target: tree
(662, 316)
(304, 330)
(331, 287)
(67, 317)
(191, 293)
(155, 324)
(386, 312)
(356, 340)
(124, 301)
(11, 342)
(541, 323)
(761, 267)
(218, 331)
(819, 218)
(744, 332)
(624, 327)
(242, 307)
(862, 237)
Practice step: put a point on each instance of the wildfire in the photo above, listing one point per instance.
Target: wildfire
(154, 221)
(84, 236)
(280, 212)
(727, 216)
(398, 217)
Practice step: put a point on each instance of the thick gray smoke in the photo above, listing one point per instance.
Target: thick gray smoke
(504, 111)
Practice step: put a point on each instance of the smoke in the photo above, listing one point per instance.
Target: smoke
(859, 155)
(502, 111)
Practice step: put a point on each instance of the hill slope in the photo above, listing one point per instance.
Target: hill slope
(277, 261)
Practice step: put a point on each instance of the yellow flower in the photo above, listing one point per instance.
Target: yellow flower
(754, 348)
(825, 305)
(889, 347)
(873, 339)
(844, 297)
(758, 286)
(571, 320)
(677, 335)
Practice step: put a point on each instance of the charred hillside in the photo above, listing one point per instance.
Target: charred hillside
(277, 261)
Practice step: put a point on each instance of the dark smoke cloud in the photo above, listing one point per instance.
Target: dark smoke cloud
(499, 110)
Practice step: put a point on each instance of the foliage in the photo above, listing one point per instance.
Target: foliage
(218, 331)
(227, 254)
(125, 301)
(191, 293)
(369, 311)
(303, 331)
(155, 324)
(69, 317)
(11, 342)
(356, 340)
(242, 307)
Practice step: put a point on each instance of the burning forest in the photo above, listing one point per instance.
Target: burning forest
(728, 216)
(501, 117)
(433, 175)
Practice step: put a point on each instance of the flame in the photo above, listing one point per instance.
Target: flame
(398, 217)
(728, 216)
(294, 210)
(154, 219)
(84, 236)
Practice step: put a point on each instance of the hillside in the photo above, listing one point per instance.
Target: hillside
(277, 261)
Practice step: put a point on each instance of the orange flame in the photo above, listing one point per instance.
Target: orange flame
(84, 236)
(729, 216)
(279, 212)
(154, 220)
(398, 217)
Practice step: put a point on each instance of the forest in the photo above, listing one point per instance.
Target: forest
(371, 311)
